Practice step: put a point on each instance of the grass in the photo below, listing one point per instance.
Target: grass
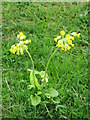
(68, 71)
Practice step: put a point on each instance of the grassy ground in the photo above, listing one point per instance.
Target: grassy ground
(68, 71)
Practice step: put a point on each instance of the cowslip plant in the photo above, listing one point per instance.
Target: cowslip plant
(42, 91)
(37, 89)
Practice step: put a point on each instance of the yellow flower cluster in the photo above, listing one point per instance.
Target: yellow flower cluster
(21, 36)
(65, 41)
(21, 46)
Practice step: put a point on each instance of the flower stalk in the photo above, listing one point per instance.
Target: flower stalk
(32, 64)
(49, 62)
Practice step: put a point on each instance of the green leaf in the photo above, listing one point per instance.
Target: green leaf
(37, 84)
(36, 81)
(32, 79)
(42, 73)
(51, 92)
(39, 93)
(35, 100)
(47, 95)
(56, 100)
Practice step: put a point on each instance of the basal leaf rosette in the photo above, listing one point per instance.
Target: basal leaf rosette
(65, 41)
(21, 46)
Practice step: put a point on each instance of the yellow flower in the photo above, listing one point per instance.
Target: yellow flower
(17, 53)
(21, 36)
(72, 45)
(21, 33)
(62, 33)
(12, 50)
(69, 42)
(62, 48)
(17, 47)
(24, 36)
(29, 40)
(68, 47)
(22, 53)
(24, 42)
(67, 36)
(55, 39)
(59, 45)
(78, 35)
(65, 49)
(72, 38)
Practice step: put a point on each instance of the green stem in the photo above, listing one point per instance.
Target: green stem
(49, 61)
(35, 111)
(32, 65)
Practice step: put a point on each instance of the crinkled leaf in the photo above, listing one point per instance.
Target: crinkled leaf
(35, 100)
(47, 95)
(37, 84)
(36, 81)
(32, 79)
(51, 92)
(41, 73)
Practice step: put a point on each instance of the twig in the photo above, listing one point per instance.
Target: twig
(47, 110)
(75, 92)
(13, 22)
(8, 85)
